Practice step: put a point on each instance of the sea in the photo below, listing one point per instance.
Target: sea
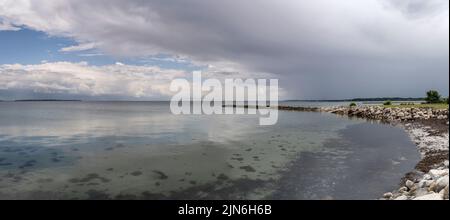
(141, 151)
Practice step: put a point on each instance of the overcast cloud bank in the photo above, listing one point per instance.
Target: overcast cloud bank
(319, 49)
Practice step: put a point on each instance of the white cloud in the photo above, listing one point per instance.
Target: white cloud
(79, 47)
(83, 79)
(118, 80)
(91, 54)
(168, 59)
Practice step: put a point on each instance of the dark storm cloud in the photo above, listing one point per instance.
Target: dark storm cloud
(318, 49)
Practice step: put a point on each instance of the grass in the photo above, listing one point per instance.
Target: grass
(435, 106)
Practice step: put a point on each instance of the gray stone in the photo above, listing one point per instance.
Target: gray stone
(409, 184)
(421, 192)
(425, 183)
(388, 195)
(444, 192)
(441, 183)
(438, 173)
(427, 177)
(403, 189)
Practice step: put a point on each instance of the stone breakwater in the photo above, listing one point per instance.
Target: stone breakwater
(428, 128)
(389, 114)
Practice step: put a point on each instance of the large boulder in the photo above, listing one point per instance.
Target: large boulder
(438, 173)
(409, 184)
(439, 185)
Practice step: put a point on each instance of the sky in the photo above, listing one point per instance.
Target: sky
(132, 50)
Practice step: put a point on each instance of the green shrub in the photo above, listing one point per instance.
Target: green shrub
(433, 96)
(352, 104)
(387, 103)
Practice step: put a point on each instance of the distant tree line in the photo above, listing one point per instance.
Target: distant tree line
(381, 99)
(47, 100)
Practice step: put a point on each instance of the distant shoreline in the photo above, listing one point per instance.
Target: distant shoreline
(394, 99)
(47, 100)
(382, 99)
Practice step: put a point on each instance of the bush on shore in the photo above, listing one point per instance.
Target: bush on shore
(387, 103)
(433, 97)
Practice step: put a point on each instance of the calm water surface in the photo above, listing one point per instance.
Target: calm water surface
(139, 150)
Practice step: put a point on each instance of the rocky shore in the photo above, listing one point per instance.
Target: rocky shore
(389, 114)
(428, 128)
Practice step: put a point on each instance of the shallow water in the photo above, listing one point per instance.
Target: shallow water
(139, 150)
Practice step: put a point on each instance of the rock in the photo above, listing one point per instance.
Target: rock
(446, 163)
(427, 177)
(432, 196)
(403, 189)
(425, 183)
(388, 195)
(422, 183)
(432, 187)
(402, 197)
(444, 192)
(420, 192)
(409, 184)
(438, 173)
(440, 184)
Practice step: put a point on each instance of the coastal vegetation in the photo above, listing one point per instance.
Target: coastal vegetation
(425, 105)
(433, 96)
(387, 102)
(433, 100)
